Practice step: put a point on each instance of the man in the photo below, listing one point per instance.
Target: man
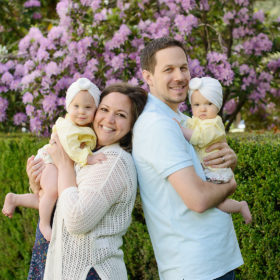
(192, 239)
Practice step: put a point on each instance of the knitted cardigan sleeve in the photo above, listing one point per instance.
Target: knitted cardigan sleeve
(99, 187)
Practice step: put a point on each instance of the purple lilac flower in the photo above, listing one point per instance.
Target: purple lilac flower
(230, 106)
(204, 5)
(62, 84)
(27, 98)
(185, 24)
(3, 88)
(133, 81)
(220, 67)
(61, 101)
(35, 124)
(52, 69)
(101, 16)
(15, 84)
(95, 4)
(172, 6)
(3, 107)
(242, 2)
(37, 15)
(32, 3)
(19, 118)
(86, 2)
(19, 71)
(62, 8)
(228, 17)
(196, 69)
(42, 55)
(49, 103)
(10, 64)
(112, 81)
(259, 15)
(119, 37)
(183, 107)
(34, 35)
(28, 65)
(118, 61)
(249, 76)
(92, 65)
(241, 31)
(186, 5)
(84, 44)
(3, 68)
(242, 16)
(28, 79)
(273, 65)
(7, 78)
(29, 109)
(257, 45)
(56, 32)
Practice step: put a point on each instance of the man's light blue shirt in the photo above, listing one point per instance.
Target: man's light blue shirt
(187, 245)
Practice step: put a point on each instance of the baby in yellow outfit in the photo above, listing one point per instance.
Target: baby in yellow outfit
(78, 140)
(206, 128)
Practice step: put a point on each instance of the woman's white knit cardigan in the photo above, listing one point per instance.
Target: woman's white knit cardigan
(90, 220)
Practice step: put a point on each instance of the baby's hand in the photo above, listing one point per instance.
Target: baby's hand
(97, 158)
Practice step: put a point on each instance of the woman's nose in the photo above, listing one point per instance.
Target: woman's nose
(110, 118)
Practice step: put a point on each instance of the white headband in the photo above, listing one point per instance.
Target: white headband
(82, 84)
(210, 88)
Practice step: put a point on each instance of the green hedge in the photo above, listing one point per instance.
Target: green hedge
(258, 180)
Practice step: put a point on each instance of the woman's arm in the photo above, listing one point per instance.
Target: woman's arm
(100, 188)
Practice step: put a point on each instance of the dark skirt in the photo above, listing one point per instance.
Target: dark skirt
(38, 259)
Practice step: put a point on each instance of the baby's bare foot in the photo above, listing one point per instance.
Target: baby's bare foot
(245, 212)
(9, 205)
(46, 231)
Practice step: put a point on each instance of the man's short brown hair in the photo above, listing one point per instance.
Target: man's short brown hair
(147, 55)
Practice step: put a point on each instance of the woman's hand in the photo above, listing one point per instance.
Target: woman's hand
(57, 153)
(34, 170)
(224, 157)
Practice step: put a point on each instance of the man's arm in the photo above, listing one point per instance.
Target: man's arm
(197, 194)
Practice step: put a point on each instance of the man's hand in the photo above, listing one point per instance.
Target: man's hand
(223, 158)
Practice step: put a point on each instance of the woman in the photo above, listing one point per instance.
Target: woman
(95, 203)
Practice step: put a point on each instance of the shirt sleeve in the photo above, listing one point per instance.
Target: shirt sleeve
(100, 186)
(160, 143)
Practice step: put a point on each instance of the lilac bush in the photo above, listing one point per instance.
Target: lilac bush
(101, 40)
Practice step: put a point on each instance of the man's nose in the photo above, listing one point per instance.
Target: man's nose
(179, 75)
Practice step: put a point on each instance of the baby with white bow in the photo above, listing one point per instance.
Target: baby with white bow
(78, 139)
(206, 128)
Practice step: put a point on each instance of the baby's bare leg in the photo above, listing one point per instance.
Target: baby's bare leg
(47, 201)
(234, 206)
(13, 200)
